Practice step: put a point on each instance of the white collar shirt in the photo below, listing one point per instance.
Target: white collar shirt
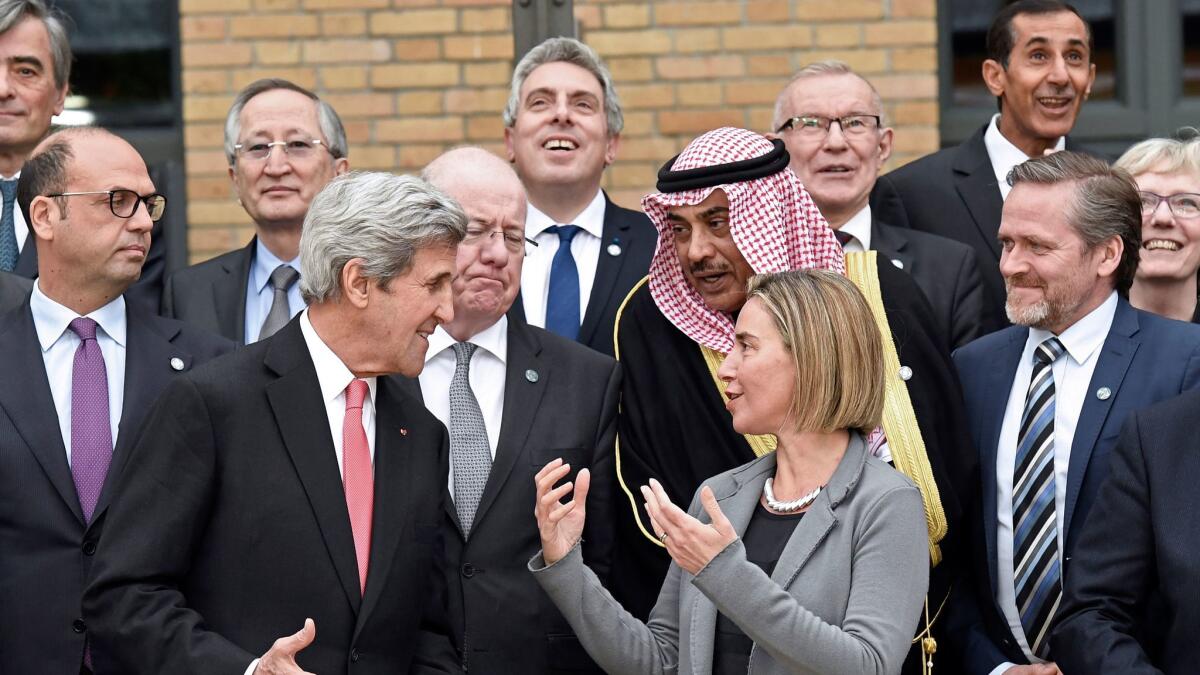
(1004, 155)
(859, 229)
(333, 377)
(585, 248)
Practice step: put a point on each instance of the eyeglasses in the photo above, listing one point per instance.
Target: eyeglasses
(124, 203)
(515, 243)
(1182, 204)
(294, 149)
(816, 126)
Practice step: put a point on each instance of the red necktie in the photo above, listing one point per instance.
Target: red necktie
(358, 477)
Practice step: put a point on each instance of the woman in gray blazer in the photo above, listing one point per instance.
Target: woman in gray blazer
(812, 559)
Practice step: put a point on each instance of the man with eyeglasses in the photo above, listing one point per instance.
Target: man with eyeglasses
(81, 366)
(514, 397)
(830, 118)
(283, 144)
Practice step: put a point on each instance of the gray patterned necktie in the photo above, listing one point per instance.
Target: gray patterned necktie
(280, 313)
(469, 449)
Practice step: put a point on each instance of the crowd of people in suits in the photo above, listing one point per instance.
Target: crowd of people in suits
(794, 416)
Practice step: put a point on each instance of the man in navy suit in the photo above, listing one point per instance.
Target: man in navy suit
(1046, 398)
(562, 128)
(81, 366)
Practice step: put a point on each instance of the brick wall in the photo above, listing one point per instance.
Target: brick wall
(413, 77)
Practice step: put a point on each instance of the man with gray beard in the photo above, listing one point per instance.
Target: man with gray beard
(1047, 397)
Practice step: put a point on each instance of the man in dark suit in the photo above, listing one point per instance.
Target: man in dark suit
(1130, 602)
(13, 290)
(283, 144)
(562, 127)
(81, 366)
(35, 37)
(519, 397)
(1040, 71)
(1046, 398)
(292, 484)
(831, 120)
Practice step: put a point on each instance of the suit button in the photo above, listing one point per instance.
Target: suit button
(89, 548)
(78, 625)
(468, 570)
(354, 656)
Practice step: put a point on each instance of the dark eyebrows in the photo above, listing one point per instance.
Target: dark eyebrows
(1041, 41)
(574, 94)
(714, 211)
(28, 60)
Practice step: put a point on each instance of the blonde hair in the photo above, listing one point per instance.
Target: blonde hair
(1163, 155)
(835, 345)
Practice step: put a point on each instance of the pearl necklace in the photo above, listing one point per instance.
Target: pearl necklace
(792, 506)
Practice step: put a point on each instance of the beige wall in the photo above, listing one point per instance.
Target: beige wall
(413, 77)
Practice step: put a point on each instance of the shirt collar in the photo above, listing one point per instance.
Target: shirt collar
(265, 262)
(51, 319)
(590, 220)
(1003, 153)
(332, 375)
(1085, 336)
(493, 339)
(859, 227)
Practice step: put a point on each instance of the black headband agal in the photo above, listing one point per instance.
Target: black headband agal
(735, 172)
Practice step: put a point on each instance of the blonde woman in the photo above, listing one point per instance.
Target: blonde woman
(813, 559)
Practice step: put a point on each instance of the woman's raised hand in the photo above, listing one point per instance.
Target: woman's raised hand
(691, 543)
(560, 525)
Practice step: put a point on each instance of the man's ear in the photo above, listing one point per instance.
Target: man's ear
(1112, 250)
(995, 77)
(886, 141)
(355, 285)
(610, 149)
(43, 215)
(508, 145)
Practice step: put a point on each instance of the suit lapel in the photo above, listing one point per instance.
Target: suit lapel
(27, 400)
(1115, 357)
(998, 383)
(231, 316)
(27, 262)
(608, 268)
(975, 181)
(891, 243)
(300, 415)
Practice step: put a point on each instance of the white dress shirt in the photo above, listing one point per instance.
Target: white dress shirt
(487, 377)
(585, 248)
(1004, 155)
(259, 294)
(859, 229)
(20, 228)
(58, 343)
(1072, 380)
(333, 376)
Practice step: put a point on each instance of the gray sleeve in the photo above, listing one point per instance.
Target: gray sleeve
(617, 641)
(890, 572)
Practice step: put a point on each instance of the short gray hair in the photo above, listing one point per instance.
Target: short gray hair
(818, 69)
(567, 50)
(327, 117)
(1105, 204)
(13, 12)
(380, 218)
(1164, 155)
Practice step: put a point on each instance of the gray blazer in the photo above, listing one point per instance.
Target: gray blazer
(845, 596)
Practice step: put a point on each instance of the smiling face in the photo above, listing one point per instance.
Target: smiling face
(837, 170)
(707, 253)
(560, 136)
(403, 314)
(276, 191)
(1049, 75)
(28, 95)
(1170, 244)
(760, 374)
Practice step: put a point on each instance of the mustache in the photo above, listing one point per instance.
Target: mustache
(1023, 280)
(703, 267)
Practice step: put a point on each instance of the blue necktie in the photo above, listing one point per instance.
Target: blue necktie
(562, 302)
(8, 231)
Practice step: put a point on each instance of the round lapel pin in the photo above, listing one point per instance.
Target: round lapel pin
(614, 249)
(176, 363)
(905, 373)
(1103, 393)
(531, 375)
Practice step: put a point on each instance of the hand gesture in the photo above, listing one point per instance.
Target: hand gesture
(691, 543)
(560, 525)
(1034, 669)
(280, 659)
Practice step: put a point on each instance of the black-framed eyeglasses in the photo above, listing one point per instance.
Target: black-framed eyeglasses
(515, 243)
(297, 148)
(124, 203)
(817, 126)
(1182, 204)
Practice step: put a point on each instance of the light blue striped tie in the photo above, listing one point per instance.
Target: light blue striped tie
(1038, 583)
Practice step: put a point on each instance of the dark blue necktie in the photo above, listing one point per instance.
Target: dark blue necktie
(8, 231)
(562, 302)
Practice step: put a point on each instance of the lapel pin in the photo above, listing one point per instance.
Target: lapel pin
(176, 363)
(898, 263)
(905, 373)
(614, 249)
(531, 375)
(1103, 393)
(403, 431)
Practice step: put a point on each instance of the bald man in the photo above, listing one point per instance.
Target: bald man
(514, 397)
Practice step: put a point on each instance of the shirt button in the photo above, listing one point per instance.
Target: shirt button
(78, 625)
(468, 570)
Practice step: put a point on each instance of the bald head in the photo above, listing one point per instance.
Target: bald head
(471, 166)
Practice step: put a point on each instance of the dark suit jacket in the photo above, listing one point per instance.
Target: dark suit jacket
(13, 290)
(212, 294)
(1130, 602)
(946, 270)
(953, 193)
(616, 275)
(234, 528)
(45, 547)
(568, 410)
(1145, 359)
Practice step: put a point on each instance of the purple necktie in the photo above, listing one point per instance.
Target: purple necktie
(91, 433)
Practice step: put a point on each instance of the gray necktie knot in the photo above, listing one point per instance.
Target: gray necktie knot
(283, 277)
(463, 351)
(84, 327)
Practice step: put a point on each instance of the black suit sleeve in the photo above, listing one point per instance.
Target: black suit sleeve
(599, 535)
(1112, 572)
(137, 613)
